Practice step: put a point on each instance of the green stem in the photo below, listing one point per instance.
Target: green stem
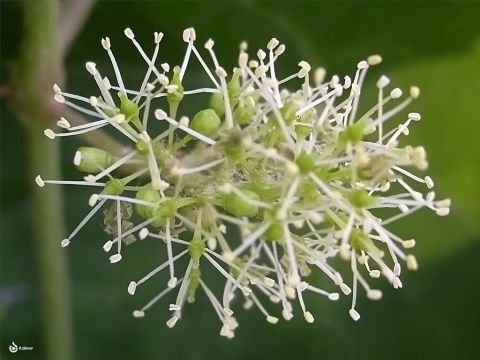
(39, 65)
(44, 157)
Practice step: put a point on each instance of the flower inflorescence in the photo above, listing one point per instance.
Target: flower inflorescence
(266, 186)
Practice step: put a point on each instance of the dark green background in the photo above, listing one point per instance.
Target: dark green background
(435, 45)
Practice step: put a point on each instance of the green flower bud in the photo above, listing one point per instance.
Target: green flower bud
(196, 248)
(130, 110)
(305, 162)
(234, 87)
(238, 206)
(142, 147)
(242, 115)
(113, 187)
(175, 96)
(275, 233)
(360, 198)
(361, 241)
(216, 103)
(354, 133)
(206, 122)
(289, 110)
(166, 209)
(92, 160)
(151, 195)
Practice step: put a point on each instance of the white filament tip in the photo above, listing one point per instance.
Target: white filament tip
(362, 65)
(374, 294)
(308, 317)
(268, 281)
(65, 242)
(272, 44)
(280, 50)
(132, 287)
(115, 258)
(143, 233)
(414, 116)
(334, 296)
(49, 133)
(158, 36)
(287, 315)
(174, 307)
(209, 44)
(172, 282)
(77, 159)
(172, 321)
(444, 211)
(272, 319)
(242, 59)
(382, 82)
(108, 246)
(160, 114)
(374, 274)
(354, 314)
(39, 181)
(89, 178)
(189, 35)
(346, 290)
(395, 93)
(408, 244)
(319, 75)
(106, 43)
(138, 314)
(429, 182)
(411, 262)
(414, 92)
(57, 89)
(129, 33)
(93, 200)
(91, 67)
(63, 123)
(221, 72)
(397, 284)
(374, 59)
(59, 98)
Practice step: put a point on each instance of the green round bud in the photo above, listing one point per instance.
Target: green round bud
(128, 107)
(290, 109)
(196, 248)
(275, 232)
(238, 206)
(305, 162)
(113, 187)
(92, 160)
(354, 133)
(176, 96)
(234, 87)
(142, 147)
(150, 195)
(216, 103)
(206, 122)
(360, 198)
(361, 241)
(166, 209)
(242, 115)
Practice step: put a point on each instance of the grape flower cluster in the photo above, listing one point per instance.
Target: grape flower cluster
(272, 189)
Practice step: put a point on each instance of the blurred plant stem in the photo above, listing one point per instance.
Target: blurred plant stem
(39, 65)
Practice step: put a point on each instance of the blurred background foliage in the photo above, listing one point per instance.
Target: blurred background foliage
(435, 45)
